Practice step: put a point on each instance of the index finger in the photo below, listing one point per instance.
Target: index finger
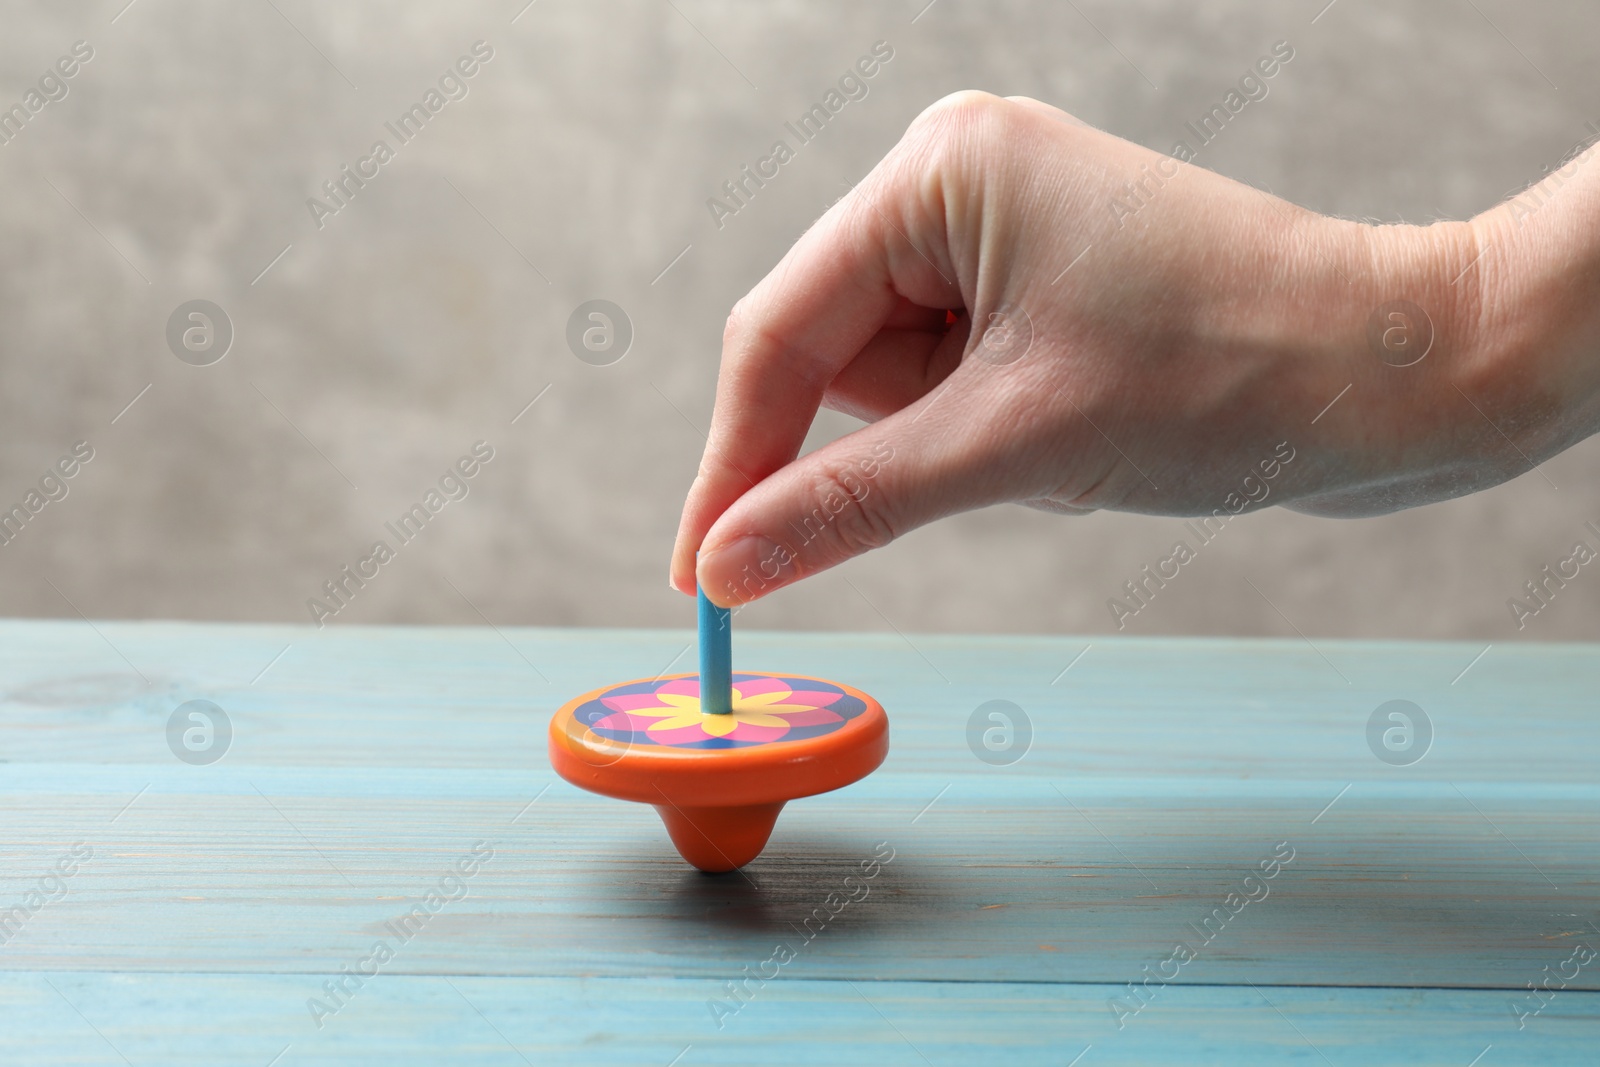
(785, 342)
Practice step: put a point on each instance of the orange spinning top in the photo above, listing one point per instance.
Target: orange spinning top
(719, 780)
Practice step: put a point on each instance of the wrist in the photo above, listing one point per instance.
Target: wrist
(1444, 399)
(1534, 300)
(1510, 325)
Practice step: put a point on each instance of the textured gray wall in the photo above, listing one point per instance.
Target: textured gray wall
(426, 314)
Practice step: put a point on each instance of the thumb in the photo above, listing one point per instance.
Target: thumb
(843, 500)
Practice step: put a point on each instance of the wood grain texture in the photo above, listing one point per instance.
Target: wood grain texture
(246, 1020)
(1419, 903)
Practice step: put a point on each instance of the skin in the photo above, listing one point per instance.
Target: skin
(1206, 329)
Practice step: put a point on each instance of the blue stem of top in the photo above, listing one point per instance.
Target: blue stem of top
(716, 657)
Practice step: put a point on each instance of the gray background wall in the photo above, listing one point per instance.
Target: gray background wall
(425, 315)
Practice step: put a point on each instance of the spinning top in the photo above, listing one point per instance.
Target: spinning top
(718, 753)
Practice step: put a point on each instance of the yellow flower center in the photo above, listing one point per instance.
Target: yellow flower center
(762, 709)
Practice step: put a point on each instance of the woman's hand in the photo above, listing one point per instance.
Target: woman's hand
(1130, 332)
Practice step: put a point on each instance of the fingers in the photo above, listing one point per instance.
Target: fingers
(856, 494)
(908, 315)
(895, 369)
(790, 337)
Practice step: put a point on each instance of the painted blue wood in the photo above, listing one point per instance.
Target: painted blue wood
(366, 763)
(993, 878)
(246, 1020)
(1130, 707)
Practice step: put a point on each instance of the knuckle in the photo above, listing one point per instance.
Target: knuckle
(735, 327)
(966, 108)
(851, 511)
(963, 133)
(752, 344)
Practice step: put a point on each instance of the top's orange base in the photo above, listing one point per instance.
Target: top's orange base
(720, 839)
(719, 781)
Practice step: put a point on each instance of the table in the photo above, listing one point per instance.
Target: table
(1012, 903)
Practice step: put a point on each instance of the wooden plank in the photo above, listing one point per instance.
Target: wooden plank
(228, 1020)
(248, 868)
(1131, 707)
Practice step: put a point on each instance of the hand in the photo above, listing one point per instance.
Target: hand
(1129, 333)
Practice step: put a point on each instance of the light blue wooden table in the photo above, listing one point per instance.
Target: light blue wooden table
(1021, 900)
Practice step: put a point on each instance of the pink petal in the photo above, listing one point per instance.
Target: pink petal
(683, 687)
(680, 735)
(621, 720)
(749, 731)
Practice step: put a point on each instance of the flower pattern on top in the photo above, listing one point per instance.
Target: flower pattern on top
(766, 708)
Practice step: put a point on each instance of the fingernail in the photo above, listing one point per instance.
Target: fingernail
(740, 571)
